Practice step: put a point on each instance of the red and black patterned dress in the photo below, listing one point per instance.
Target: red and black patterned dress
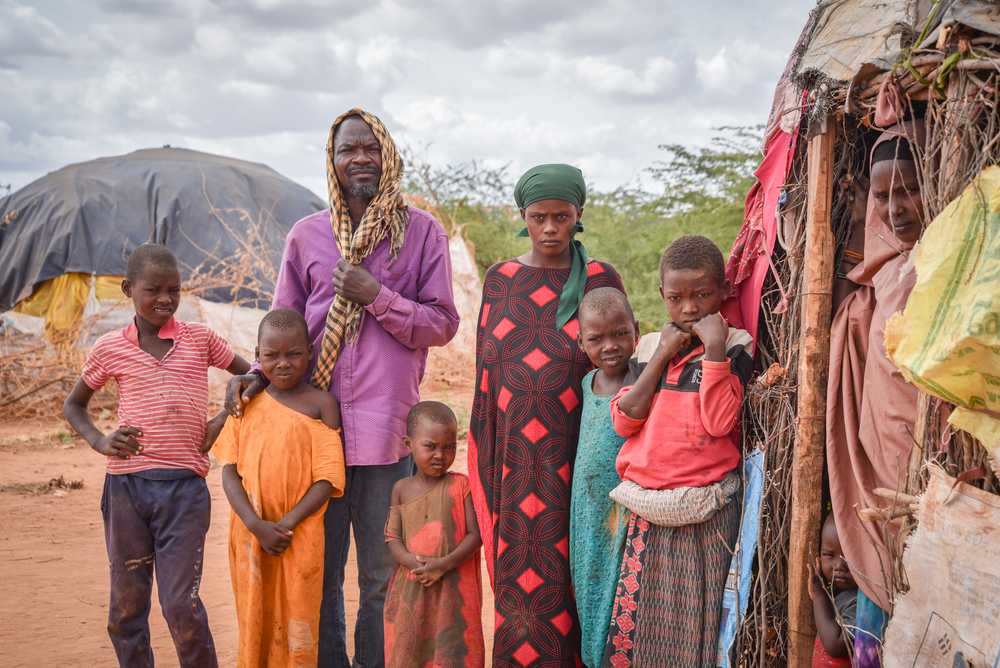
(522, 443)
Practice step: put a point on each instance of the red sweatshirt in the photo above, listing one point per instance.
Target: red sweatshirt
(691, 437)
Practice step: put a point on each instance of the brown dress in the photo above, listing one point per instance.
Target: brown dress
(440, 625)
(870, 408)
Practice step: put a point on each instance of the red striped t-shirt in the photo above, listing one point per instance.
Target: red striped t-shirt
(166, 399)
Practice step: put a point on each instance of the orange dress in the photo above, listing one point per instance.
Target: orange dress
(279, 453)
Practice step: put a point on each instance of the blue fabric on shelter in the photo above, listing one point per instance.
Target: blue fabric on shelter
(734, 601)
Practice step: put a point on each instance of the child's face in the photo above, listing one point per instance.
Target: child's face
(433, 446)
(692, 294)
(608, 339)
(831, 559)
(284, 355)
(549, 222)
(156, 294)
(896, 192)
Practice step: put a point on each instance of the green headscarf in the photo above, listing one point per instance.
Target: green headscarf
(562, 182)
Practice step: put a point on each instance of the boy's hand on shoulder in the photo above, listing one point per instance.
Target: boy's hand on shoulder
(273, 539)
(240, 390)
(431, 570)
(119, 443)
(672, 339)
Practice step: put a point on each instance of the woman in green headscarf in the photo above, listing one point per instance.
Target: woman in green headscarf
(526, 418)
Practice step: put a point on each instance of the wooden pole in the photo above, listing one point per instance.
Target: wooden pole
(813, 371)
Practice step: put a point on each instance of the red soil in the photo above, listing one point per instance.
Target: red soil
(53, 564)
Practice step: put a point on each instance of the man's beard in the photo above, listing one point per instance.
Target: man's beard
(363, 190)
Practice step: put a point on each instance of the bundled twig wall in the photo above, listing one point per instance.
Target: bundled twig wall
(768, 422)
(770, 410)
(36, 375)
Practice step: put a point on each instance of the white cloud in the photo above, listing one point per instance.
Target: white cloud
(25, 34)
(603, 76)
(383, 61)
(250, 89)
(599, 83)
(735, 70)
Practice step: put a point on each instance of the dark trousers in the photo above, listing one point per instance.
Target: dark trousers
(365, 505)
(161, 522)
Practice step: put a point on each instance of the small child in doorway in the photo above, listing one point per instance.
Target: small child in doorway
(156, 505)
(597, 525)
(679, 408)
(283, 459)
(832, 638)
(433, 609)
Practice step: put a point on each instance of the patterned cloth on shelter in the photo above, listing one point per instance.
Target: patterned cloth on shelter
(440, 625)
(871, 625)
(870, 406)
(597, 525)
(279, 453)
(522, 443)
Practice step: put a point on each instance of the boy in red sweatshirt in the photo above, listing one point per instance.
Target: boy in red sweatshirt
(679, 408)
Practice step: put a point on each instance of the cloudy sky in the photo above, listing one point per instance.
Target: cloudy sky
(596, 83)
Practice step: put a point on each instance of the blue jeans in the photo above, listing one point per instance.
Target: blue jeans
(157, 522)
(365, 505)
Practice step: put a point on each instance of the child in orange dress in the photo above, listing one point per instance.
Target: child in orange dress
(283, 460)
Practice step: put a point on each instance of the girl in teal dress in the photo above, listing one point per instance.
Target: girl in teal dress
(598, 525)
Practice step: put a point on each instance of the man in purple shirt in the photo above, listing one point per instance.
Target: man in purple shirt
(407, 307)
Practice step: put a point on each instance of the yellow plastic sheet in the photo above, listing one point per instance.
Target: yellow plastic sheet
(109, 288)
(947, 341)
(61, 300)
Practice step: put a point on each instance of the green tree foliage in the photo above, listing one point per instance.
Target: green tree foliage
(697, 191)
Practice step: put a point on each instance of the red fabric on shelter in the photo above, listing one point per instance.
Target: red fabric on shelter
(747, 267)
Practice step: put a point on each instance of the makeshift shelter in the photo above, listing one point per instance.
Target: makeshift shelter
(945, 58)
(70, 232)
(65, 239)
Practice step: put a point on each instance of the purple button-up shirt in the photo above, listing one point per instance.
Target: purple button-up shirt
(376, 380)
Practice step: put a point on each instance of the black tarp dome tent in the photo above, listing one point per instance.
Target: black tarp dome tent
(85, 219)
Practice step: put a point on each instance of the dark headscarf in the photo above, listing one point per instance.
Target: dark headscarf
(897, 148)
(562, 182)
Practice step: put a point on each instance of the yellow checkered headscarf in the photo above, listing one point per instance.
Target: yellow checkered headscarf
(385, 215)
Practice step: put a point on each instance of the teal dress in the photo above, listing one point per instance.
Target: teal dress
(597, 525)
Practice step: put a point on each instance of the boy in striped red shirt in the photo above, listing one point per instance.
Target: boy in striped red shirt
(156, 505)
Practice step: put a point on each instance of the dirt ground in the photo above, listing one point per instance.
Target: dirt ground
(53, 563)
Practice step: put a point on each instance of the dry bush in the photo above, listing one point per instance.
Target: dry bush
(58, 485)
(36, 375)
